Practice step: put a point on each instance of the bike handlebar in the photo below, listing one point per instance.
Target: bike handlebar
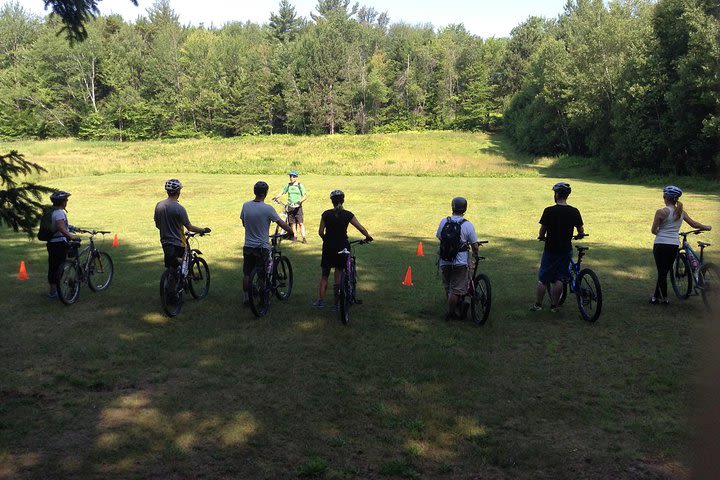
(575, 237)
(194, 234)
(691, 232)
(91, 231)
(360, 242)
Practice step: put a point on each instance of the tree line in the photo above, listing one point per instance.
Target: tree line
(633, 82)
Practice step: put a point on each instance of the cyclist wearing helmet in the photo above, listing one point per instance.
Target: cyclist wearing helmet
(666, 226)
(256, 216)
(333, 230)
(455, 270)
(296, 196)
(557, 225)
(171, 219)
(57, 246)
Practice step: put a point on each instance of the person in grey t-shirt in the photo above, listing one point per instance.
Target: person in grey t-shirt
(171, 218)
(256, 216)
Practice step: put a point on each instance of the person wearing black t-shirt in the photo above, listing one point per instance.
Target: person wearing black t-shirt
(557, 226)
(333, 230)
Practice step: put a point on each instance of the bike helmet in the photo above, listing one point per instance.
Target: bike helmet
(58, 197)
(673, 192)
(337, 197)
(293, 173)
(261, 188)
(173, 185)
(459, 205)
(562, 188)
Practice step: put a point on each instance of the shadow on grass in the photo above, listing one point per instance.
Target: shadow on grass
(111, 388)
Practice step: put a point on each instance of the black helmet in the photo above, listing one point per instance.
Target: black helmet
(59, 196)
(261, 188)
(562, 188)
(337, 197)
(459, 205)
(173, 186)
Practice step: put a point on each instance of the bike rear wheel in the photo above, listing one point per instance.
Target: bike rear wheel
(171, 295)
(710, 286)
(681, 277)
(259, 293)
(100, 271)
(589, 295)
(283, 278)
(199, 278)
(345, 297)
(480, 301)
(68, 286)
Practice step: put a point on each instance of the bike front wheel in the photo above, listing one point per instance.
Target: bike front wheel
(563, 292)
(283, 278)
(171, 296)
(345, 296)
(100, 271)
(589, 295)
(710, 286)
(681, 277)
(68, 286)
(259, 293)
(480, 300)
(199, 278)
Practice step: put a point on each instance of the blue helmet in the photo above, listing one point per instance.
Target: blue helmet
(673, 192)
(293, 173)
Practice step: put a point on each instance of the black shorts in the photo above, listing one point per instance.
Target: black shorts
(253, 256)
(331, 258)
(295, 215)
(173, 254)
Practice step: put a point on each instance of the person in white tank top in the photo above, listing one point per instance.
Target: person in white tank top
(666, 226)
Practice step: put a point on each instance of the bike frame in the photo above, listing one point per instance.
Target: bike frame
(84, 256)
(687, 249)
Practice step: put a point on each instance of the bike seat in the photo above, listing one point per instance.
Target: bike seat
(703, 244)
(345, 251)
(581, 248)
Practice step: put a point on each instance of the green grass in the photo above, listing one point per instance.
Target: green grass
(111, 388)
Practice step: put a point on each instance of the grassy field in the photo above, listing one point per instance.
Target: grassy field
(111, 388)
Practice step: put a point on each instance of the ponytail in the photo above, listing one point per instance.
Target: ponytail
(678, 210)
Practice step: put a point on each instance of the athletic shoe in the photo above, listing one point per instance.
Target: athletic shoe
(554, 308)
(335, 307)
(654, 301)
(52, 296)
(535, 308)
(304, 240)
(319, 303)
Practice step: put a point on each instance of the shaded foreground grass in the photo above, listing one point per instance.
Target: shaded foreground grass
(111, 388)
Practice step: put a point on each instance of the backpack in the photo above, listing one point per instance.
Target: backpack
(450, 243)
(46, 231)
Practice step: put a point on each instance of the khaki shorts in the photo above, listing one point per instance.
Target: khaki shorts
(455, 278)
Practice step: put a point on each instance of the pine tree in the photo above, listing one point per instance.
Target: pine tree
(20, 206)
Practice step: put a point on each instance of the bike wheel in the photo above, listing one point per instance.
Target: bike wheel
(100, 271)
(589, 295)
(199, 278)
(563, 292)
(710, 286)
(68, 286)
(345, 298)
(480, 301)
(282, 278)
(171, 296)
(681, 277)
(259, 293)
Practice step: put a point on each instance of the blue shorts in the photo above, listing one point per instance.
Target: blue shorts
(554, 266)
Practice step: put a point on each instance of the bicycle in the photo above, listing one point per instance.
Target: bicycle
(584, 283)
(191, 275)
(274, 275)
(690, 273)
(348, 282)
(87, 265)
(478, 291)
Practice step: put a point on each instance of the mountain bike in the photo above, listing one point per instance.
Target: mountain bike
(87, 265)
(479, 292)
(690, 274)
(584, 283)
(273, 275)
(191, 275)
(348, 282)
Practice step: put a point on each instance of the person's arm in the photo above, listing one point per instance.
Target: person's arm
(660, 215)
(195, 229)
(303, 195)
(60, 227)
(356, 223)
(542, 232)
(695, 224)
(284, 226)
(580, 232)
(321, 228)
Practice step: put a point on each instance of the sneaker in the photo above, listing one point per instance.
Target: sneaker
(319, 303)
(52, 296)
(654, 301)
(335, 307)
(304, 240)
(554, 308)
(535, 308)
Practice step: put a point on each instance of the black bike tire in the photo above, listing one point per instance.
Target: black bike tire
(282, 267)
(199, 274)
(481, 299)
(110, 271)
(563, 292)
(171, 310)
(710, 289)
(580, 292)
(344, 299)
(258, 294)
(681, 269)
(69, 276)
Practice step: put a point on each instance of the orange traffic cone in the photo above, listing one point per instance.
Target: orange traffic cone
(408, 278)
(115, 241)
(22, 274)
(419, 252)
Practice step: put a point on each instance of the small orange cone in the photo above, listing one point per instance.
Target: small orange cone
(408, 278)
(115, 241)
(419, 252)
(22, 274)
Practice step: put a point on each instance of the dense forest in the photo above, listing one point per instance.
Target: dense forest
(633, 82)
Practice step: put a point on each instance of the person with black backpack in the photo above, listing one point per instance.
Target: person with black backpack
(56, 231)
(455, 234)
